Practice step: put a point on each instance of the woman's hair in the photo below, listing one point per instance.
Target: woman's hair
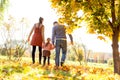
(48, 41)
(40, 20)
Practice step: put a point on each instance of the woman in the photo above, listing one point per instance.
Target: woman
(37, 39)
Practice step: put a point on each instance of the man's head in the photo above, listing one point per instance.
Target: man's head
(55, 23)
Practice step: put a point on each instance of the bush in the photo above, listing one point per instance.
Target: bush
(110, 62)
(70, 56)
(3, 51)
(19, 50)
(75, 53)
(16, 50)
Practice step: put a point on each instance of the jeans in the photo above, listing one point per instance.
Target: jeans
(60, 44)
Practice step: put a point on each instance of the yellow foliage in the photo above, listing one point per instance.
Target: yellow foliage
(72, 3)
(67, 72)
(101, 38)
(91, 31)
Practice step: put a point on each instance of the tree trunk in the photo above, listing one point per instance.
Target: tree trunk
(115, 47)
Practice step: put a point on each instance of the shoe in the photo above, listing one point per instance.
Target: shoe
(48, 63)
(43, 65)
(62, 63)
(40, 63)
(56, 67)
(33, 62)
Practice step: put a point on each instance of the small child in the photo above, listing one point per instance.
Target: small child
(46, 51)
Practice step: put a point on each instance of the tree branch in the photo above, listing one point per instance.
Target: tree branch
(111, 25)
(118, 18)
(113, 11)
(113, 16)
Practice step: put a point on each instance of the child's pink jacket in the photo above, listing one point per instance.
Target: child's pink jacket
(48, 47)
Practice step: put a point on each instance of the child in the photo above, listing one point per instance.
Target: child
(46, 51)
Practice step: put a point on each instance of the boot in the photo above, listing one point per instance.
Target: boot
(62, 63)
(40, 58)
(48, 60)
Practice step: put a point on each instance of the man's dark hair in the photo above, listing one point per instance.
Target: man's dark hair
(55, 22)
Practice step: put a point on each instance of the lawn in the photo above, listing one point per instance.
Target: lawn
(24, 70)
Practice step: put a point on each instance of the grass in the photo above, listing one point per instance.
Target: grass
(67, 62)
(25, 70)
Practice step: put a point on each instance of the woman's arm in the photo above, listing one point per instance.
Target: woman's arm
(31, 33)
(43, 45)
(43, 37)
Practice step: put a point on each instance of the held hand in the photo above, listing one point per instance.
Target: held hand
(43, 42)
(54, 45)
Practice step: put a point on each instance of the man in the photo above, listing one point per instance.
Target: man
(59, 36)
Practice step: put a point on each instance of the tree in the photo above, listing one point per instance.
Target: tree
(3, 7)
(102, 17)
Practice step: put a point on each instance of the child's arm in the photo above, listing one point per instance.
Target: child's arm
(52, 47)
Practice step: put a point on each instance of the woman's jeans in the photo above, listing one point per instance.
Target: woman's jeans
(60, 45)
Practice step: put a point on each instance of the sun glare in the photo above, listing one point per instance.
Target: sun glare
(80, 13)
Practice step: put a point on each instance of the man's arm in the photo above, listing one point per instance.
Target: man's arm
(53, 35)
(71, 38)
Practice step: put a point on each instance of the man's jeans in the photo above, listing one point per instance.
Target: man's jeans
(60, 44)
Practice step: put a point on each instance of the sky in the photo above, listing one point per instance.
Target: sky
(33, 9)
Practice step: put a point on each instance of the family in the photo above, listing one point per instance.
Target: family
(59, 41)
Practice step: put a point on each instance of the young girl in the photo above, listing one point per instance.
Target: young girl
(46, 51)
